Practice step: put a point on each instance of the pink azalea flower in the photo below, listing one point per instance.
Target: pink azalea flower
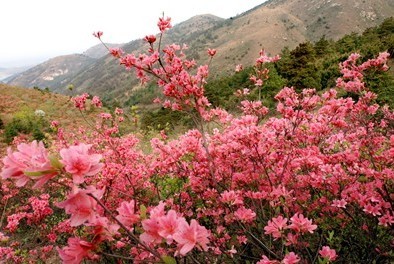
(276, 226)
(127, 215)
(301, 224)
(291, 258)
(151, 226)
(164, 23)
(265, 260)
(169, 225)
(76, 251)
(28, 160)
(190, 236)
(150, 39)
(79, 162)
(245, 215)
(211, 52)
(328, 253)
(80, 205)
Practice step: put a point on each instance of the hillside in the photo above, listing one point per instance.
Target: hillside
(56, 73)
(272, 25)
(100, 50)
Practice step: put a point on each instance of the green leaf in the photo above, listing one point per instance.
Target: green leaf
(55, 162)
(143, 211)
(37, 173)
(168, 260)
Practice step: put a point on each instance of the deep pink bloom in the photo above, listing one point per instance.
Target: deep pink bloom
(190, 236)
(28, 160)
(276, 226)
(150, 39)
(80, 163)
(301, 224)
(211, 52)
(81, 205)
(164, 23)
(328, 253)
(76, 251)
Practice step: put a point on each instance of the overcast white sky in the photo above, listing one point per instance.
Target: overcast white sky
(32, 31)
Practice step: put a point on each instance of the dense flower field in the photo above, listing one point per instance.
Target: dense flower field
(312, 183)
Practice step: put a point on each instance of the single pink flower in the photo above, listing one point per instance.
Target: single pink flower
(190, 236)
(150, 39)
(76, 251)
(164, 23)
(169, 225)
(29, 162)
(211, 52)
(81, 205)
(328, 253)
(245, 215)
(265, 260)
(301, 224)
(116, 52)
(127, 215)
(80, 163)
(276, 226)
(291, 258)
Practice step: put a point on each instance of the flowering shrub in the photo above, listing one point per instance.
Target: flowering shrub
(313, 183)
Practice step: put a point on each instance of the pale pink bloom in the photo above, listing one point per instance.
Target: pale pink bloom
(190, 236)
(118, 111)
(76, 251)
(328, 253)
(98, 34)
(291, 258)
(29, 159)
(276, 226)
(151, 226)
(127, 215)
(211, 52)
(169, 225)
(301, 224)
(238, 68)
(81, 205)
(386, 220)
(80, 163)
(164, 23)
(245, 215)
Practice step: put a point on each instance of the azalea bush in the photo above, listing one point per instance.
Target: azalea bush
(313, 183)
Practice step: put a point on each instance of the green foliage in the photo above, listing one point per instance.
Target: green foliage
(26, 122)
(162, 118)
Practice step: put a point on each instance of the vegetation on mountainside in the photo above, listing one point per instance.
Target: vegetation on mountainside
(313, 65)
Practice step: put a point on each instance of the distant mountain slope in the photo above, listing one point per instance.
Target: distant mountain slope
(272, 25)
(7, 72)
(55, 73)
(100, 50)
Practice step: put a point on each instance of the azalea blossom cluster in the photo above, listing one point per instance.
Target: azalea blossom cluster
(298, 187)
